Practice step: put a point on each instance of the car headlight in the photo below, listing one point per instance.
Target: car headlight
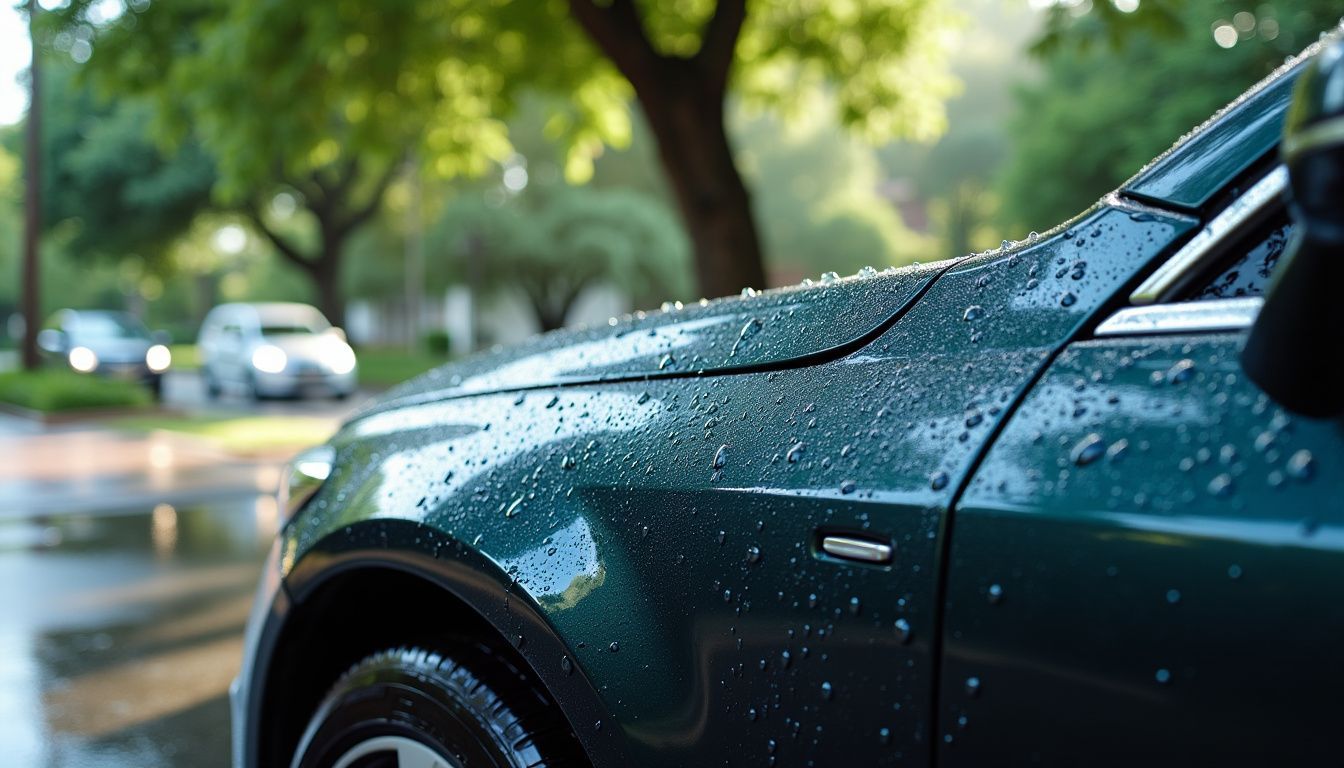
(269, 358)
(302, 477)
(83, 359)
(158, 358)
(338, 357)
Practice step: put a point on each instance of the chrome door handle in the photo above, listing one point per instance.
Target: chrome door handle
(860, 550)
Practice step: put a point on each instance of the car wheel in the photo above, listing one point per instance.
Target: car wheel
(409, 707)
(212, 388)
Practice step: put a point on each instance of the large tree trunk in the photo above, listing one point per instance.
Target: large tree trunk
(30, 296)
(682, 96)
(698, 160)
(326, 276)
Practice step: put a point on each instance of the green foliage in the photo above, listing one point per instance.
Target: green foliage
(553, 243)
(386, 366)
(106, 184)
(1102, 111)
(818, 199)
(60, 390)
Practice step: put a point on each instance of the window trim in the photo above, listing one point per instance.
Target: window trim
(1183, 317)
(1247, 211)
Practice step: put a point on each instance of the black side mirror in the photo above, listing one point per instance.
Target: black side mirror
(1295, 351)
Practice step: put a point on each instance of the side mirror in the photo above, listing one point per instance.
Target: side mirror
(337, 332)
(1295, 351)
(52, 341)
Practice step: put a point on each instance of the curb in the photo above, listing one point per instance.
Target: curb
(57, 418)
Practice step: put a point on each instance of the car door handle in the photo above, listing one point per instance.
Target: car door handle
(857, 549)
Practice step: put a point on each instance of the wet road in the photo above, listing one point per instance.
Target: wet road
(127, 565)
(122, 630)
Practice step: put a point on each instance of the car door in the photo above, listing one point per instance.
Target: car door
(1146, 567)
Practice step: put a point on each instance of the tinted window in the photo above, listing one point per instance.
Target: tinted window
(1251, 263)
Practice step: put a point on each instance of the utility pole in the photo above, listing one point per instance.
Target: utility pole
(415, 256)
(32, 202)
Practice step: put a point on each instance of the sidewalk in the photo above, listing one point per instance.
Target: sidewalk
(86, 468)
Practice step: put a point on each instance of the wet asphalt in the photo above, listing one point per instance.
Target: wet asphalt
(127, 566)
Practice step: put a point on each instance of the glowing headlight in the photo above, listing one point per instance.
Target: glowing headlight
(303, 476)
(83, 360)
(269, 358)
(338, 357)
(158, 358)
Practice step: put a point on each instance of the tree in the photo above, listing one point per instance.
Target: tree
(553, 244)
(881, 57)
(323, 104)
(1113, 97)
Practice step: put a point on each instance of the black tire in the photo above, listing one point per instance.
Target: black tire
(212, 388)
(472, 708)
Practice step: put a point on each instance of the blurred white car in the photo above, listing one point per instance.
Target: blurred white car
(275, 350)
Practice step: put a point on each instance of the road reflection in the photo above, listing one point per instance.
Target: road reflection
(122, 630)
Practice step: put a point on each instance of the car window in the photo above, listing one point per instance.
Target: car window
(1249, 264)
(284, 329)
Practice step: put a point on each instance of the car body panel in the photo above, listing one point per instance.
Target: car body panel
(677, 518)
(1147, 563)
(736, 334)
(1188, 176)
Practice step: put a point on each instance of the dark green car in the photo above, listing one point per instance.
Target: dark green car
(1041, 505)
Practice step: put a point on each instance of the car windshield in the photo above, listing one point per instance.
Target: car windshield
(287, 329)
(102, 326)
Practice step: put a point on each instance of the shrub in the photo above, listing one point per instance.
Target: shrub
(57, 390)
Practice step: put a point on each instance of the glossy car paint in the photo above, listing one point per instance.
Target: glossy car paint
(646, 536)
(1150, 555)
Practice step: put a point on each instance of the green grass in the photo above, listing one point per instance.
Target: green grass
(386, 366)
(242, 435)
(185, 357)
(57, 390)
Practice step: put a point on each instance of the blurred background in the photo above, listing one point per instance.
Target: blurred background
(439, 176)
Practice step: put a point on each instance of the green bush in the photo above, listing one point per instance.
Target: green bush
(437, 343)
(57, 390)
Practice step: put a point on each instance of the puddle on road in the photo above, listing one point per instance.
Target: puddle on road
(122, 631)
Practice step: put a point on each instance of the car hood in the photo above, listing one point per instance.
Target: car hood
(755, 331)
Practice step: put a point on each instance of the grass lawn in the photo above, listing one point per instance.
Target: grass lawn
(385, 366)
(241, 435)
(185, 357)
(60, 390)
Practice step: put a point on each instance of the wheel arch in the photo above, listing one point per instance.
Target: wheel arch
(347, 602)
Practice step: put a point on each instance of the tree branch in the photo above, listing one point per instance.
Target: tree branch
(362, 213)
(719, 42)
(619, 32)
(286, 248)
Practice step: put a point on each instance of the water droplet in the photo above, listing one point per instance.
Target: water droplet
(829, 277)
(855, 606)
(1088, 450)
(847, 487)
(1068, 299)
(795, 452)
(566, 665)
(1181, 371)
(1301, 465)
(973, 312)
(1234, 571)
(884, 735)
(514, 507)
(748, 292)
(826, 691)
(1221, 486)
(902, 631)
(753, 554)
(972, 686)
(995, 594)
(614, 647)
(668, 361)
(721, 457)
(1163, 676)
(1173, 596)
(938, 480)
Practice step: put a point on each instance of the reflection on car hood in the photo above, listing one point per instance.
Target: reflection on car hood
(746, 332)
